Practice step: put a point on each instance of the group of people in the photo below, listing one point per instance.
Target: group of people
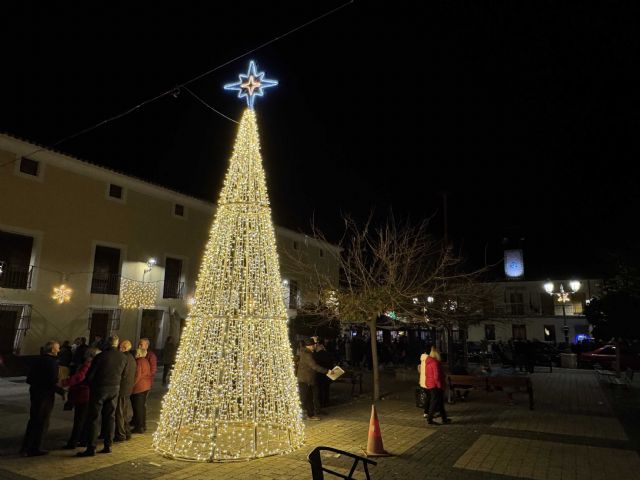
(314, 362)
(107, 389)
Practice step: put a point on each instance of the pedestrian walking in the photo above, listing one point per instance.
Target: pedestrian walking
(307, 368)
(43, 385)
(168, 358)
(141, 387)
(78, 400)
(104, 378)
(434, 381)
(124, 412)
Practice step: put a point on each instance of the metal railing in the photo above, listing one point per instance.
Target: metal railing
(107, 283)
(16, 276)
(173, 289)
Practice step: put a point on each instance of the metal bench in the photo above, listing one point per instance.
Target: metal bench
(317, 470)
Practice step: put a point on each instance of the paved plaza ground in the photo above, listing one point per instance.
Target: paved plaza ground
(579, 430)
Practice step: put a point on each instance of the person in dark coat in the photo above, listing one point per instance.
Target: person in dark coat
(141, 387)
(43, 385)
(123, 409)
(65, 355)
(307, 368)
(104, 378)
(168, 358)
(326, 360)
(79, 353)
(79, 401)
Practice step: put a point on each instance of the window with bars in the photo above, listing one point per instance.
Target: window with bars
(15, 320)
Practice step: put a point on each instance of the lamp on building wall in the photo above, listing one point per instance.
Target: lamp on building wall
(563, 297)
(3, 265)
(150, 264)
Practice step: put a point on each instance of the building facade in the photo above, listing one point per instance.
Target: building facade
(120, 255)
(523, 310)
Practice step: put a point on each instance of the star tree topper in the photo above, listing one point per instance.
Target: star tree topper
(251, 85)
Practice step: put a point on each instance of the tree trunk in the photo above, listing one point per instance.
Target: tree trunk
(465, 347)
(451, 349)
(374, 359)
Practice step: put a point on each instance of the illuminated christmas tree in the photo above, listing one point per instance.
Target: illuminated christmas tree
(233, 393)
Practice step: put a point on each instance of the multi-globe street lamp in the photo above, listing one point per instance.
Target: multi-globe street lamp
(563, 297)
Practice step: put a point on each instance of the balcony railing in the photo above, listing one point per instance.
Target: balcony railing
(106, 283)
(173, 289)
(16, 276)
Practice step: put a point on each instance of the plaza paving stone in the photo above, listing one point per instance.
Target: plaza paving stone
(572, 434)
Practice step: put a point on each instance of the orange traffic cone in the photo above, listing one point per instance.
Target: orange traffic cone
(374, 443)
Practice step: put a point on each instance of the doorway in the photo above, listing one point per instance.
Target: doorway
(8, 329)
(99, 325)
(150, 325)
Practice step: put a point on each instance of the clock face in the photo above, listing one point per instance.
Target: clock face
(513, 263)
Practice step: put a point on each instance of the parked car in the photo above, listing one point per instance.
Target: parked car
(605, 357)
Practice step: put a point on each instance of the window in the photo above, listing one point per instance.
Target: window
(106, 271)
(546, 301)
(173, 287)
(15, 253)
(549, 333)
(29, 167)
(519, 332)
(321, 253)
(515, 300)
(295, 245)
(115, 191)
(178, 210)
(490, 332)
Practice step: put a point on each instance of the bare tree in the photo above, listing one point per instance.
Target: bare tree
(392, 268)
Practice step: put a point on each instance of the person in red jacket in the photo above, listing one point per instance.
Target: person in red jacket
(79, 399)
(152, 357)
(141, 387)
(434, 381)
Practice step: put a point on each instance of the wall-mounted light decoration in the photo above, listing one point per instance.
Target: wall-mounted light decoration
(134, 294)
(62, 294)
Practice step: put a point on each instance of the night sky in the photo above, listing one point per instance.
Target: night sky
(524, 113)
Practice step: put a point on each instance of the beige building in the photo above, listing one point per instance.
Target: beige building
(67, 222)
(523, 310)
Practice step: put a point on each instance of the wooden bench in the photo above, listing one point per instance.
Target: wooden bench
(515, 382)
(465, 382)
(488, 384)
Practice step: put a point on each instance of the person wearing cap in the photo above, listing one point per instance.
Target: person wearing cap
(307, 368)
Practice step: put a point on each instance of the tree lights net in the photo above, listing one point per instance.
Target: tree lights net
(233, 393)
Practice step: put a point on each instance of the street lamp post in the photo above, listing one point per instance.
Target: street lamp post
(563, 297)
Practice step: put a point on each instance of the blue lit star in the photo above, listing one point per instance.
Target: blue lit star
(250, 85)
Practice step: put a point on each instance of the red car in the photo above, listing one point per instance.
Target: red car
(605, 357)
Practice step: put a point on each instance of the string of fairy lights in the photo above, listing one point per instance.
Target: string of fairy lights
(132, 293)
(233, 393)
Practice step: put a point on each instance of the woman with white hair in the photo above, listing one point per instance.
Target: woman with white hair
(141, 387)
(434, 382)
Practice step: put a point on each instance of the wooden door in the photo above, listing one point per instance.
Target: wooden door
(150, 324)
